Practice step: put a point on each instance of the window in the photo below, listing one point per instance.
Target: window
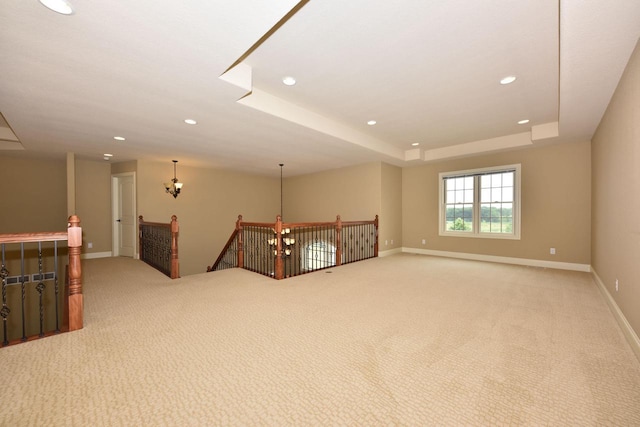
(318, 255)
(481, 203)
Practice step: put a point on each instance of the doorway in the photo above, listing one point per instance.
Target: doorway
(123, 193)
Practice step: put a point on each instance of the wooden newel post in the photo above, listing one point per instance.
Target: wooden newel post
(375, 245)
(240, 242)
(175, 263)
(279, 267)
(75, 299)
(338, 240)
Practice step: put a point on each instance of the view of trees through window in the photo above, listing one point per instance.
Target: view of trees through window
(493, 193)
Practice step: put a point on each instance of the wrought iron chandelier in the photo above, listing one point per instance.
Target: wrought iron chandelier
(286, 241)
(173, 187)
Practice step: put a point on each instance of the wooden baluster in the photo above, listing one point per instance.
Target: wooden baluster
(175, 263)
(279, 267)
(338, 240)
(75, 299)
(240, 237)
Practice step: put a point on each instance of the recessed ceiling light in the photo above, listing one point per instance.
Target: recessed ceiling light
(190, 121)
(288, 80)
(118, 138)
(108, 155)
(523, 122)
(415, 144)
(507, 80)
(371, 122)
(60, 6)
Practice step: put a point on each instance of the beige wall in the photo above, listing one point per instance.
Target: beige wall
(38, 201)
(207, 208)
(123, 167)
(390, 232)
(93, 204)
(555, 205)
(355, 193)
(352, 192)
(616, 194)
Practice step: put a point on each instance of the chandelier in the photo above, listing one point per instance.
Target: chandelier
(287, 242)
(173, 187)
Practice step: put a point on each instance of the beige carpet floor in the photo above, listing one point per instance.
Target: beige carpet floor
(401, 340)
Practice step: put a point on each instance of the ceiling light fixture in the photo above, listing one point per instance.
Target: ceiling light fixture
(288, 80)
(523, 122)
(173, 187)
(371, 122)
(415, 144)
(63, 7)
(190, 121)
(118, 138)
(108, 155)
(507, 80)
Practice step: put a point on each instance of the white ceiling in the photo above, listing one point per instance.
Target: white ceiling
(427, 71)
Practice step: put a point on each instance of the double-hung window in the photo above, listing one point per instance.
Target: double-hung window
(481, 203)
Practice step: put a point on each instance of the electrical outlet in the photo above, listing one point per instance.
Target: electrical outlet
(424, 241)
(552, 251)
(90, 245)
(616, 285)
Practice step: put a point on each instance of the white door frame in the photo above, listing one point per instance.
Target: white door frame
(115, 208)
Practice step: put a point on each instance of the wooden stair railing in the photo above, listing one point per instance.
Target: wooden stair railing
(232, 254)
(73, 304)
(159, 245)
(281, 250)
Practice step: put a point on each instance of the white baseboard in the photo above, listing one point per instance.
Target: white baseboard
(389, 252)
(504, 260)
(627, 330)
(93, 255)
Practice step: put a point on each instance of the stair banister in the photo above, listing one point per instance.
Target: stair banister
(75, 301)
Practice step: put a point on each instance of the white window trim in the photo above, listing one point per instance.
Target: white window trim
(311, 264)
(517, 208)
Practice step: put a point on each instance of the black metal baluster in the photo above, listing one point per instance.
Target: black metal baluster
(327, 246)
(5, 310)
(346, 231)
(262, 254)
(250, 249)
(359, 242)
(285, 257)
(254, 252)
(23, 290)
(55, 281)
(276, 254)
(296, 251)
(372, 238)
(351, 244)
(167, 250)
(40, 287)
(258, 249)
(322, 246)
(315, 247)
(292, 255)
(269, 264)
